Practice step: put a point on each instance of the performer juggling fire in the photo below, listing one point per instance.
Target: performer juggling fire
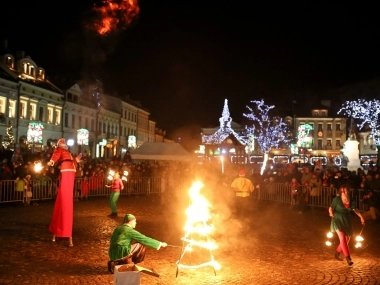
(62, 220)
(122, 250)
(340, 211)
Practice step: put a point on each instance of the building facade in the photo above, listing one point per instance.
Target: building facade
(35, 113)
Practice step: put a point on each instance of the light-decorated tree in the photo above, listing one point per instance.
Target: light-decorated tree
(366, 113)
(269, 132)
(9, 138)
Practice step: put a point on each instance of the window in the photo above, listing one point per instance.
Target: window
(328, 142)
(79, 121)
(12, 108)
(337, 143)
(324, 113)
(58, 117)
(50, 115)
(337, 127)
(9, 62)
(73, 121)
(329, 129)
(316, 113)
(32, 111)
(41, 74)
(28, 69)
(41, 114)
(2, 105)
(66, 120)
(22, 109)
(86, 123)
(319, 144)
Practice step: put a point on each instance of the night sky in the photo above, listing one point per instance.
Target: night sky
(181, 59)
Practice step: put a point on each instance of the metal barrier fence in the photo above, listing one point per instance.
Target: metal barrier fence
(12, 191)
(16, 191)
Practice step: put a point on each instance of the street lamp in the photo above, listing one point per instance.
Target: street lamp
(70, 143)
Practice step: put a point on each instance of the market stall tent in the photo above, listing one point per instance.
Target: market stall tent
(160, 151)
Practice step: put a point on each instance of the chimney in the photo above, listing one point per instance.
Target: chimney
(20, 54)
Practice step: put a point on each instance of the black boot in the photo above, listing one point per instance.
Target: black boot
(349, 261)
(111, 266)
(337, 256)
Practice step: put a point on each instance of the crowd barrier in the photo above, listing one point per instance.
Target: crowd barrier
(11, 192)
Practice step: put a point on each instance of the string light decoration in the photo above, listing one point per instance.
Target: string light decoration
(198, 229)
(367, 112)
(9, 139)
(225, 130)
(269, 132)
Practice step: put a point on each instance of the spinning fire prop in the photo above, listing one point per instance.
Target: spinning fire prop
(359, 239)
(197, 230)
(111, 175)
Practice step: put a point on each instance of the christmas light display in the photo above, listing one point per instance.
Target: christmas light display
(82, 136)
(367, 112)
(225, 130)
(198, 229)
(9, 139)
(34, 133)
(269, 132)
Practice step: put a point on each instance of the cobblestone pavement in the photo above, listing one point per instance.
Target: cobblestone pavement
(275, 246)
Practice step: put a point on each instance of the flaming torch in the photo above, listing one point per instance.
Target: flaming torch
(37, 166)
(197, 230)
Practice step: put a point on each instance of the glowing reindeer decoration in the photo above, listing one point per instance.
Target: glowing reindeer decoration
(197, 230)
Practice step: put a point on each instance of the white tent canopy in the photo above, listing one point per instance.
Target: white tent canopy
(161, 151)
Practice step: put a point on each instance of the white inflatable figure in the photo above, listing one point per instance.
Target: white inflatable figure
(350, 152)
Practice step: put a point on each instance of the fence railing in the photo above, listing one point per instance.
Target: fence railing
(11, 191)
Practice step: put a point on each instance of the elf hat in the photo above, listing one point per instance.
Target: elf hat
(129, 217)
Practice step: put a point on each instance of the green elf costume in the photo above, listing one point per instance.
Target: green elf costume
(121, 249)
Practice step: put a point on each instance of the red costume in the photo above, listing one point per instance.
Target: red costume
(62, 220)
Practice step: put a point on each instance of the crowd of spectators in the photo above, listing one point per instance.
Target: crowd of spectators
(93, 175)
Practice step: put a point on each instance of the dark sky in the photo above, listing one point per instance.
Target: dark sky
(181, 59)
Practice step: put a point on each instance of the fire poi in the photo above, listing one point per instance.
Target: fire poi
(111, 175)
(198, 229)
(359, 239)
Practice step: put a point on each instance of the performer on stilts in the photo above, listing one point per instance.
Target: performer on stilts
(62, 220)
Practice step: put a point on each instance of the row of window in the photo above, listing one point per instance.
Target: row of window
(130, 116)
(27, 68)
(329, 126)
(29, 111)
(106, 128)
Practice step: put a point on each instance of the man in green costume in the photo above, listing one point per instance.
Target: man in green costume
(122, 251)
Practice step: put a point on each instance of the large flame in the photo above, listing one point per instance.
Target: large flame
(198, 228)
(117, 14)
